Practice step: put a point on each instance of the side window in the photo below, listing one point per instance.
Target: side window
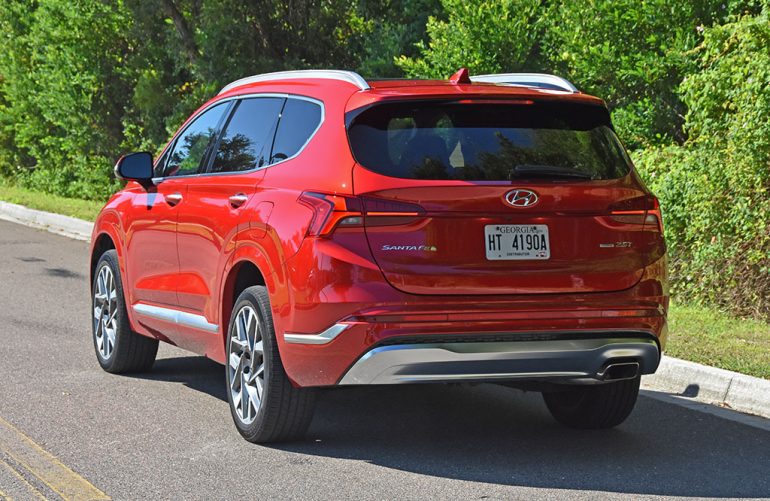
(248, 136)
(160, 164)
(191, 145)
(300, 118)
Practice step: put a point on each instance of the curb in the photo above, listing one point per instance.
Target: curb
(679, 378)
(55, 223)
(711, 385)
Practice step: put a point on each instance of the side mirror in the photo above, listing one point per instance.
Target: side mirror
(135, 167)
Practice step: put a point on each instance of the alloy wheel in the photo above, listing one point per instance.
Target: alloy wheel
(246, 365)
(105, 312)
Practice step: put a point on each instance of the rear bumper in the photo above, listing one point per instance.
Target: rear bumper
(338, 320)
(557, 360)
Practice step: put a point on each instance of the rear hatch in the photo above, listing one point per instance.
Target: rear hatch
(500, 197)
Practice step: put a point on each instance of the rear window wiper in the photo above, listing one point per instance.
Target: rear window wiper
(525, 170)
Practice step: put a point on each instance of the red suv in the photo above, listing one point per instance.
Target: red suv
(310, 229)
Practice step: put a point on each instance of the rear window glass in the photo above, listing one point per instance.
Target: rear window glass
(487, 141)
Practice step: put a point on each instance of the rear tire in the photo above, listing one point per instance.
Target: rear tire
(265, 405)
(593, 406)
(119, 350)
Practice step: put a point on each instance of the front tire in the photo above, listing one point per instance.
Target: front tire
(593, 406)
(265, 405)
(118, 349)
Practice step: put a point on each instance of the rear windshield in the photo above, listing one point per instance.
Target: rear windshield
(487, 141)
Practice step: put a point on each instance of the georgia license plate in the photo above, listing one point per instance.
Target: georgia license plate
(516, 241)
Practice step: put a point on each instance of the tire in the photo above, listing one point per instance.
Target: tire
(119, 350)
(265, 405)
(593, 406)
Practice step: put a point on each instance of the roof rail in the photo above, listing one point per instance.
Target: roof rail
(345, 76)
(539, 80)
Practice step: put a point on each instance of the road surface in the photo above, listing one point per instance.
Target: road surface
(69, 430)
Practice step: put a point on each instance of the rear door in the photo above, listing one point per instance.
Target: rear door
(213, 211)
(512, 197)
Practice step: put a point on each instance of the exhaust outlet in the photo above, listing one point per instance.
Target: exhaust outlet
(619, 371)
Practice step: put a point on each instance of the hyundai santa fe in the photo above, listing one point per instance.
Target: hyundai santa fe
(310, 229)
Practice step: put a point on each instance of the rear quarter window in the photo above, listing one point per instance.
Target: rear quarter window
(487, 141)
(299, 120)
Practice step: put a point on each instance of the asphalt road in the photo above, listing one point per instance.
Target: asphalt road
(168, 433)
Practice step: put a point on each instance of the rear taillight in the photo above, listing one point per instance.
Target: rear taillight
(380, 212)
(340, 211)
(644, 210)
(331, 211)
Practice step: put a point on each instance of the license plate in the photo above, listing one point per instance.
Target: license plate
(516, 241)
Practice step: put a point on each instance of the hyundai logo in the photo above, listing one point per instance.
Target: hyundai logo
(521, 198)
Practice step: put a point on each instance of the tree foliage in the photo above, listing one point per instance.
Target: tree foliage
(688, 84)
(58, 91)
(484, 36)
(715, 189)
(82, 81)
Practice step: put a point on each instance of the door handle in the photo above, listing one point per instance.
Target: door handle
(173, 198)
(238, 200)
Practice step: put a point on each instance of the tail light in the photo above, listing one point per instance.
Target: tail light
(381, 212)
(337, 211)
(643, 210)
(330, 211)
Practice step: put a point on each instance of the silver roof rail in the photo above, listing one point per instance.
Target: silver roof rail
(345, 76)
(539, 80)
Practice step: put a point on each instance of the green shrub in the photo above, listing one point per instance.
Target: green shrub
(63, 107)
(714, 189)
(485, 36)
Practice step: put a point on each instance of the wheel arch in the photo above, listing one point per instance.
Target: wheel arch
(248, 267)
(102, 244)
(107, 235)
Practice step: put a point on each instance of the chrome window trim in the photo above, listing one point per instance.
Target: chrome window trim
(158, 180)
(526, 80)
(174, 316)
(344, 76)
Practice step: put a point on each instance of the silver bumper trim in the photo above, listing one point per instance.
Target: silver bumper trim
(324, 337)
(509, 360)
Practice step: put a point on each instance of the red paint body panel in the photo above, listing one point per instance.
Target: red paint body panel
(186, 256)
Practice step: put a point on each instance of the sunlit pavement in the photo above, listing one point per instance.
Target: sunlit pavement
(168, 433)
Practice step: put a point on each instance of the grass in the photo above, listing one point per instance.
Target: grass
(83, 209)
(711, 337)
(700, 334)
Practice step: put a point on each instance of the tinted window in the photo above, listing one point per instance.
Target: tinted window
(160, 164)
(487, 141)
(248, 136)
(299, 120)
(191, 145)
